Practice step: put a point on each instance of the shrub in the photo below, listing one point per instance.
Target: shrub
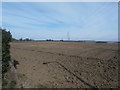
(6, 38)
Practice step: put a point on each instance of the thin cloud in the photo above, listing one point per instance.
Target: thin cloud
(84, 20)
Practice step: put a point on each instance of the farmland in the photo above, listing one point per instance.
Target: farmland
(50, 64)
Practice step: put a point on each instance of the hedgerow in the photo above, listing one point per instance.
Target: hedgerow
(6, 38)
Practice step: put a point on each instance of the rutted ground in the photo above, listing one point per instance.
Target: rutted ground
(65, 64)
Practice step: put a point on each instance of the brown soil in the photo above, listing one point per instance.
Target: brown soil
(65, 64)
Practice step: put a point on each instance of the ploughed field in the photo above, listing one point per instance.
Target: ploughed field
(65, 64)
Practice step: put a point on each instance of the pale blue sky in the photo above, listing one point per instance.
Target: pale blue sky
(52, 20)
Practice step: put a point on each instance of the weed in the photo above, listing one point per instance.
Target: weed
(12, 84)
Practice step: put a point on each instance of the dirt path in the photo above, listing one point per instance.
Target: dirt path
(65, 64)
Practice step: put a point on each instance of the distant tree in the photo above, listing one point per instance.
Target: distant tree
(13, 39)
(61, 40)
(49, 40)
(20, 39)
(27, 39)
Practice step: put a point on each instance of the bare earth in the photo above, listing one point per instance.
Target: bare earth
(65, 64)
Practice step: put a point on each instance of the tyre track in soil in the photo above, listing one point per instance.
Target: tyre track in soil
(71, 73)
(61, 54)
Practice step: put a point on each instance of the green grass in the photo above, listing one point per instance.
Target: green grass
(4, 83)
(22, 77)
(12, 84)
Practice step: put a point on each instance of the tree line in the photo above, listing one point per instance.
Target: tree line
(5, 50)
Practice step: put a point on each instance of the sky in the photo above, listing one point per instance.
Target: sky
(53, 20)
